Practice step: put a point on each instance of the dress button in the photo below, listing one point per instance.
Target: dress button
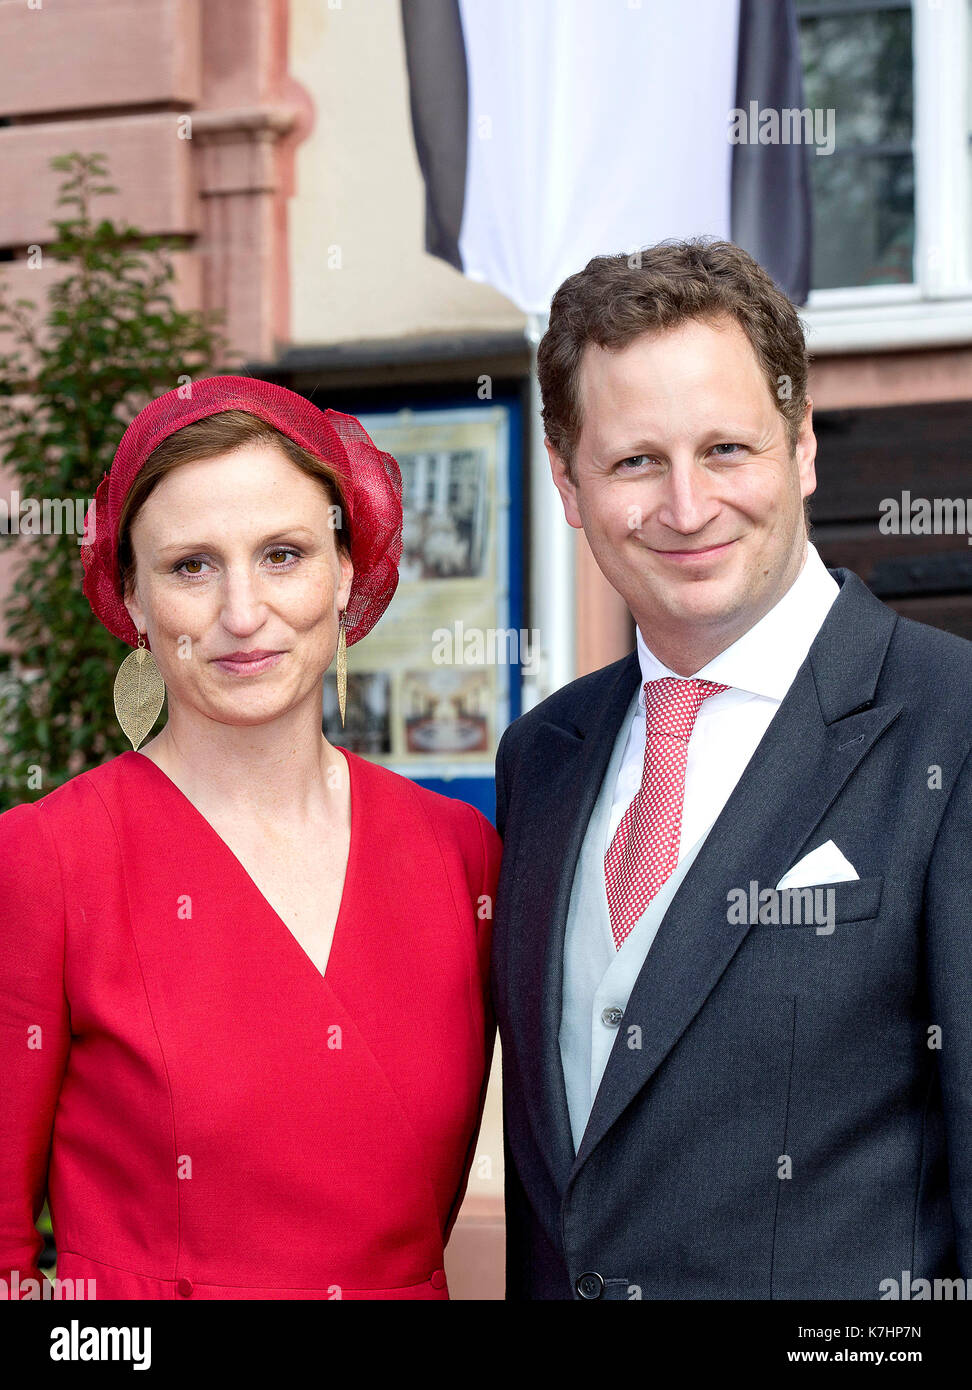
(612, 1016)
(590, 1286)
(438, 1279)
(185, 1288)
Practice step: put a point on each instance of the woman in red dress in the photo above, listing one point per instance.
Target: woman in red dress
(244, 1018)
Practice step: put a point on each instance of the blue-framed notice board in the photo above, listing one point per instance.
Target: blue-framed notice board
(437, 680)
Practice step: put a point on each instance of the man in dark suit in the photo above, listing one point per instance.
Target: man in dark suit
(732, 959)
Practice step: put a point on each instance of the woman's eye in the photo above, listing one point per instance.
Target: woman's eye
(182, 567)
(280, 558)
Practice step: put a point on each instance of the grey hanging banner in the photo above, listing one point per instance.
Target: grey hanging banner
(435, 55)
(771, 206)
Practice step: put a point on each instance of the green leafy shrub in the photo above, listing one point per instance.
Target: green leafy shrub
(113, 340)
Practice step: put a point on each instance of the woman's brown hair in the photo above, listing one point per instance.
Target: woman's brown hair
(203, 439)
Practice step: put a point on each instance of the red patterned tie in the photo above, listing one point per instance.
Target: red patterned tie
(644, 850)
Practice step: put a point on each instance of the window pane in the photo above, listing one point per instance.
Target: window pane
(857, 60)
(863, 222)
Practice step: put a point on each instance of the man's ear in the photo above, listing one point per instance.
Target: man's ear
(564, 485)
(806, 453)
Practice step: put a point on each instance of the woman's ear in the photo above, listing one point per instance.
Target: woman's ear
(135, 610)
(347, 575)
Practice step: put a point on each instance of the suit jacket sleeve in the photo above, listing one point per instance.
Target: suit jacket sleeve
(502, 783)
(948, 928)
(34, 1028)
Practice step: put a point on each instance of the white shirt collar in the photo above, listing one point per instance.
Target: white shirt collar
(765, 659)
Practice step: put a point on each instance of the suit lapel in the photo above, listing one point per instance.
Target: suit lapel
(823, 729)
(568, 762)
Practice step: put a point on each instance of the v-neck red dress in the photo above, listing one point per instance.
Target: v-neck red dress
(212, 1117)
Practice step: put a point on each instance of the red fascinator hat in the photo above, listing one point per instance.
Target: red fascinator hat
(370, 480)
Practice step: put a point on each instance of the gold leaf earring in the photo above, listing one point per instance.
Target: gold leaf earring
(139, 692)
(342, 669)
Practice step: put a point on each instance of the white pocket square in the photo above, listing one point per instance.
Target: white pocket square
(823, 865)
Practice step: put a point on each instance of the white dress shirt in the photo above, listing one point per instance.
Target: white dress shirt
(759, 667)
(598, 978)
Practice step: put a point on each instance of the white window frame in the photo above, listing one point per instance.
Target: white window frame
(936, 309)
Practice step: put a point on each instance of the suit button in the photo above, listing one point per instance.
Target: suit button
(590, 1286)
(438, 1279)
(185, 1288)
(612, 1016)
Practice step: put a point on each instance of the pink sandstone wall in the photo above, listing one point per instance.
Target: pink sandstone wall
(121, 77)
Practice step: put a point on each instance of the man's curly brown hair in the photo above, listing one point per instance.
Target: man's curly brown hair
(614, 299)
